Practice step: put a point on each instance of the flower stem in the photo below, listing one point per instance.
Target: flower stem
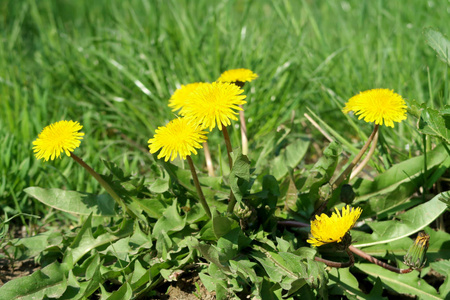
(228, 145)
(366, 159)
(293, 224)
(208, 159)
(378, 262)
(198, 187)
(232, 201)
(334, 264)
(243, 132)
(102, 182)
(346, 172)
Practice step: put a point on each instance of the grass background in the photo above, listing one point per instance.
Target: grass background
(112, 66)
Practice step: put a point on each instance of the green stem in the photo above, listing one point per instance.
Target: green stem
(232, 201)
(198, 187)
(348, 170)
(102, 182)
(425, 167)
(292, 224)
(228, 145)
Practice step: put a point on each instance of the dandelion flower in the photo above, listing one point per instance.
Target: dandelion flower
(180, 96)
(62, 136)
(237, 76)
(325, 229)
(178, 137)
(212, 103)
(378, 105)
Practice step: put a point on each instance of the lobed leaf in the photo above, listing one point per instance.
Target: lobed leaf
(409, 283)
(443, 267)
(433, 123)
(50, 281)
(74, 202)
(439, 43)
(411, 222)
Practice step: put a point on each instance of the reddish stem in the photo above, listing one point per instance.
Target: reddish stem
(334, 264)
(378, 262)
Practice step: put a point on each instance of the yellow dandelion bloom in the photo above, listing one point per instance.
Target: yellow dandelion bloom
(180, 96)
(178, 137)
(212, 103)
(378, 105)
(237, 75)
(325, 229)
(62, 136)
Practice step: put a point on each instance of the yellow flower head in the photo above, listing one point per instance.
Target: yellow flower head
(214, 102)
(180, 96)
(56, 138)
(325, 229)
(378, 105)
(237, 75)
(178, 137)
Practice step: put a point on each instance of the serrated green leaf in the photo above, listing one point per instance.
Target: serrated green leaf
(443, 267)
(409, 283)
(222, 225)
(87, 284)
(209, 252)
(74, 290)
(34, 245)
(85, 241)
(207, 281)
(289, 158)
(171, 221)
(435, 124)
(74, 202)
(400, 173)
(437, 248)
(323, 169)
(161, 185)
(439, 43)
(246, 269)
(445, 197)
(377, 291)
(116, 170)
(240, 176)
(290, 202)
(341, 280)
(50, 281)
(140, 276)
(305, 253)
(411, 222)
(154, 207)
(228, 245)
(125, 292)
(414, 108)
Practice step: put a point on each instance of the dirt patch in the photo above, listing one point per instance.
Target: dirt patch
(21, 268)
(188, 286)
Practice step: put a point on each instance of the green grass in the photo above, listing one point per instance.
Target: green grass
(112, 65)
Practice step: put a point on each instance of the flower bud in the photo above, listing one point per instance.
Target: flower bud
(416, 255)
(347, 194)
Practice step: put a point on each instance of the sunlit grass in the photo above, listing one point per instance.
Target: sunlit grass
(114, 67)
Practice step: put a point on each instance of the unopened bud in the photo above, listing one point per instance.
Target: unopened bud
(347, 194)
(416, 255)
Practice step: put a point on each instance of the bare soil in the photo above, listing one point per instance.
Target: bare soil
(9, 271)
